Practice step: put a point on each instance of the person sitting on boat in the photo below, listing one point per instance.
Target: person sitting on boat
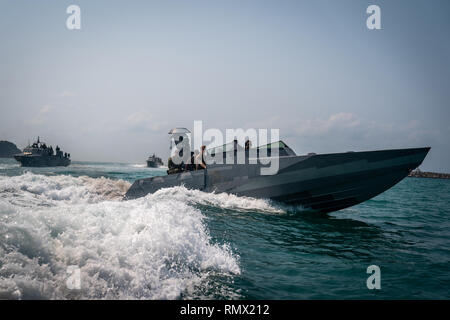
(170, 165)
(173, 168)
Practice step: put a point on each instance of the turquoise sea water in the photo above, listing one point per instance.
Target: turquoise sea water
(186, 244)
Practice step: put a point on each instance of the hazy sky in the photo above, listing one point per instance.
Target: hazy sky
(112, 90)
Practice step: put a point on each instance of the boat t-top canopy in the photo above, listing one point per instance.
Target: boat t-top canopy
(179, 130)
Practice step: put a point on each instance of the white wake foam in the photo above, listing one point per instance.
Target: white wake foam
(138, 165)
(156, 247)
(38, 189)
(5, 166)
(220, 200)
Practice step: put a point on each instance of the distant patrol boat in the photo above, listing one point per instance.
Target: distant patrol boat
(154, 162)
(40, 155)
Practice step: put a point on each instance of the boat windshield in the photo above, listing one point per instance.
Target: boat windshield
(228, 147)
(284, 150)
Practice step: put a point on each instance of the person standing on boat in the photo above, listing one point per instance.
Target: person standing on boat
(200, 159)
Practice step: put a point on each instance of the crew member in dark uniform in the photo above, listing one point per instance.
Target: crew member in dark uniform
(200, 159)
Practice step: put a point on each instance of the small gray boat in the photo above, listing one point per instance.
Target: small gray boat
(321, 182)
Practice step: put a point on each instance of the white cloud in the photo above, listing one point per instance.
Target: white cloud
(348, 131)
(318, 127)
(66, 93)
(145, 121)
(41, 117)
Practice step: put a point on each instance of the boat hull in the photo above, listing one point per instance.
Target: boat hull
(323, 182)
(152, 164)
(42, 161)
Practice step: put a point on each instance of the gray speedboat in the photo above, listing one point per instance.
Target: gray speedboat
(321, 182)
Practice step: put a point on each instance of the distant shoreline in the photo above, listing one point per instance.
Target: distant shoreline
(433, 175)
(8, 149)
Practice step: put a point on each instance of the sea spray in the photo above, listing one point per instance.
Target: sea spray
(156, 247)
(41, 189)
(245, 252)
